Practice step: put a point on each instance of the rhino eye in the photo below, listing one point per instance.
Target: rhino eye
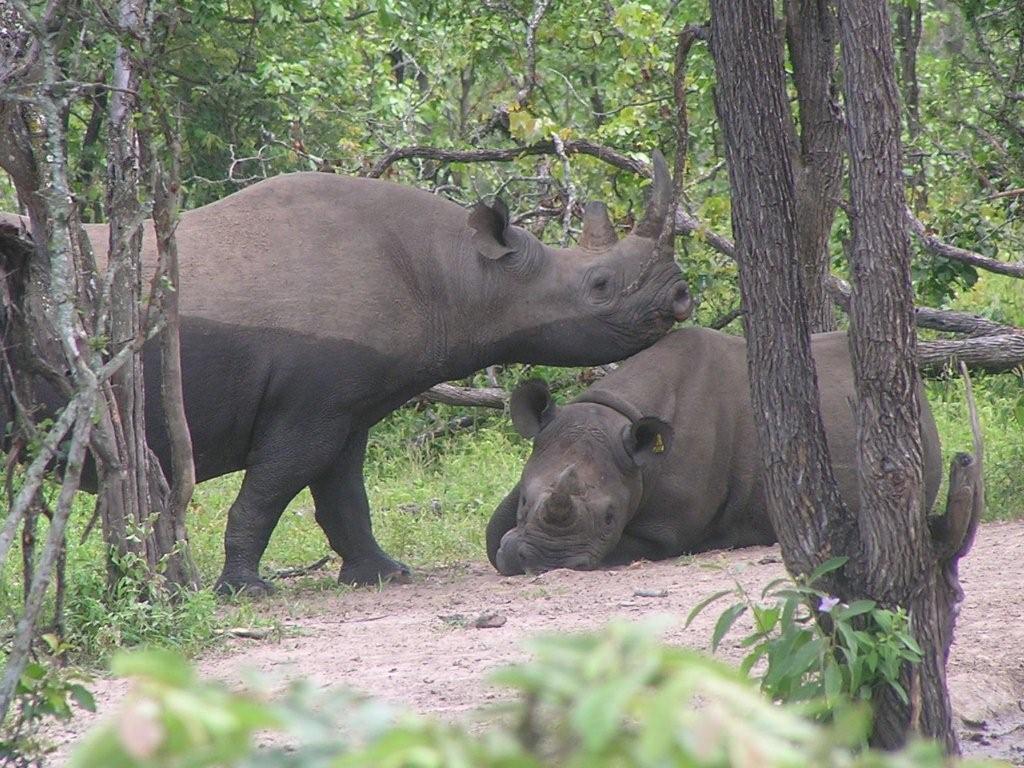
(599, 286)
(609, 518)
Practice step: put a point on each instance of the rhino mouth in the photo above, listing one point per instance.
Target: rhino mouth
(516, 557)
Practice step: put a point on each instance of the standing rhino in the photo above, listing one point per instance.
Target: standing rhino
(336, 299)
(660, 458)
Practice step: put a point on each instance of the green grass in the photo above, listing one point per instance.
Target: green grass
(1000, 401)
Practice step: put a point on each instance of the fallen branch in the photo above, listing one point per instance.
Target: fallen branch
(999, 350)
(994, 354)
(944, 320)
(450, 394)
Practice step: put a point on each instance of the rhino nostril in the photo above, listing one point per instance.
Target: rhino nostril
(682, 303)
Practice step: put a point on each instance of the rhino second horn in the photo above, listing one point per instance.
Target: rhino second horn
(661, 198)
(598, 231)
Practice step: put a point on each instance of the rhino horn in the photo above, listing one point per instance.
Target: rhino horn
(598, 231)
(568, 481)
(559, 507)
(661, 198)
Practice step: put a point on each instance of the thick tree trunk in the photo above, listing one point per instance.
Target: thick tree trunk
(898, 565)
(751, 101)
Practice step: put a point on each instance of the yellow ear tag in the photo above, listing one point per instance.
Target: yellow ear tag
(659, 444)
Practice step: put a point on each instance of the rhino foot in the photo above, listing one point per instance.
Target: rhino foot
(249, 586)
(362, 573)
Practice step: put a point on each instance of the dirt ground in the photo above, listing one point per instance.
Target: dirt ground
(417, 645)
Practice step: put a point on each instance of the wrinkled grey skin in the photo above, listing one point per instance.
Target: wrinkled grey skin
(666, 464)
(401, 290)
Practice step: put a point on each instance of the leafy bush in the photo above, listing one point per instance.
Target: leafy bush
(815, 648)
(615, 698)
(46, 690)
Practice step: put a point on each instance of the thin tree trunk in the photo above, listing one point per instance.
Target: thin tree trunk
(171, 530)
(898, 566)
(908, 31)
(811, 35)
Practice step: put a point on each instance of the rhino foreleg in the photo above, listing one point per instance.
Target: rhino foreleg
(343, 512)
(502, 521)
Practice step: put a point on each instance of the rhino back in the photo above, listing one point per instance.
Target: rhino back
(313, 253)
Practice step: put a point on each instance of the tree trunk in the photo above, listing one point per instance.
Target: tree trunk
(171, 531)
(898, 564)
(125, 495)
(750, 98)
(891, 555)
(817, 156)
(908, 31)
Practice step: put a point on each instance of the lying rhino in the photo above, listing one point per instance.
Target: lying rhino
(353, 295)
(660, 458)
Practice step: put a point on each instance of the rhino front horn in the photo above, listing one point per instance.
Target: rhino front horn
(661, 198)
(598, 231)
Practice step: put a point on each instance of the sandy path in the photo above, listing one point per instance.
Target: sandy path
(404, 644)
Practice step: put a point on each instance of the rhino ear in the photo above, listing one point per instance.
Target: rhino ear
(490, 229)
(531, 407)
(647, 440)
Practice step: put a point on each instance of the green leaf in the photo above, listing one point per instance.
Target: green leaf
(833, 681)
(856, 608)
(908, 640)
(725, 622)
(82, 697)
(704, 604)
(832, 564)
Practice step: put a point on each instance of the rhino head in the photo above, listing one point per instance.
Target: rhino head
(583, 482)
(601, 301)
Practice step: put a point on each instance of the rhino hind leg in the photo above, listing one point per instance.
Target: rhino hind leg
(265, 492)
(343, 512)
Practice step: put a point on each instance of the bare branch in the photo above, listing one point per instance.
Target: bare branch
(952, 252)
(570, 189)
(572, 147)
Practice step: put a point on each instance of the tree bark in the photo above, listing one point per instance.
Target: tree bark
(908, 31)
(170, 528)
(817, 154)
(125, 492)
(751, 102)
(897, 566)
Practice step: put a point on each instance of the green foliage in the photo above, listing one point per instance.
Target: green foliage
(616, 698)
(812, 648)
(47, 690)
